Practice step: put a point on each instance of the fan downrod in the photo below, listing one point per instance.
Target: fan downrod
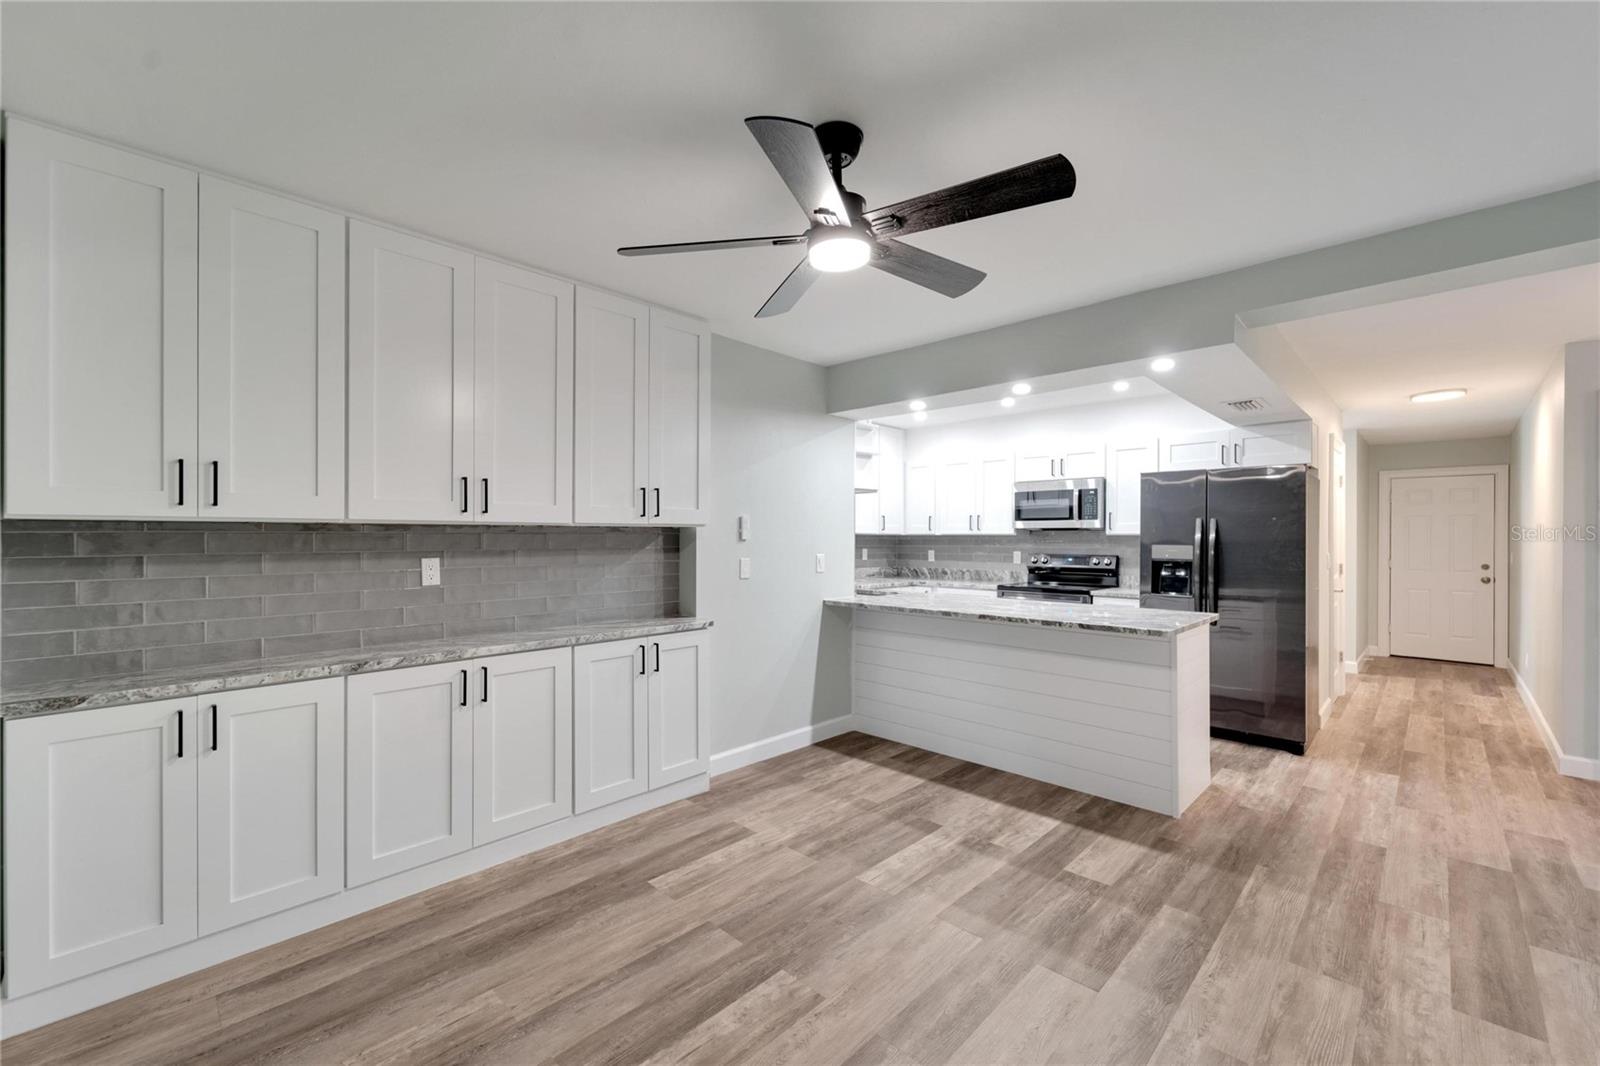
(841, 143)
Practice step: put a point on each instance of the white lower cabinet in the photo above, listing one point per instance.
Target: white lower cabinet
(409, 769)
(640, 716)
(100, 839)
(680, 727)
(271, 800)
(522, 743)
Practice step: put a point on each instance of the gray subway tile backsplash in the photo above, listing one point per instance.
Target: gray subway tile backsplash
(88, 599)
(988, 558)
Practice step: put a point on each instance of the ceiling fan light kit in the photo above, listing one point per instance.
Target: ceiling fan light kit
(845, 236)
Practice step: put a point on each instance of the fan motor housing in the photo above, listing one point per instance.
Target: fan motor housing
(840, 141)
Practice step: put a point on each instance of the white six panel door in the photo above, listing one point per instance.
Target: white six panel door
(409, 769)
(522, 742)
(680, 418)
(522, 412)
(411, 353)
(100, 839)
(680, 731)
(1441, 559)
(611, 411)
(271, 800)
(100, 330)
(610, 723)
(272, 366)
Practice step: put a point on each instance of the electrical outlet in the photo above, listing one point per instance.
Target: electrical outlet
(744, 567)
(863, 555)
(822, 563)
(1016, 557)
(430, 571)
(930, 555)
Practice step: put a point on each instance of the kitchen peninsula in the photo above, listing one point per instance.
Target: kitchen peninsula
(1112, 701)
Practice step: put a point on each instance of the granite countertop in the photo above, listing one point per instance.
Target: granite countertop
(25, 700)
(981, 606)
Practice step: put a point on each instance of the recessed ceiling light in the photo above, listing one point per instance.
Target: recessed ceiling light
(1163, 364)
(1438, 395)
(1008, 401)
(918, 405)
(1119, 386)
(920, 416)
(1021, 388)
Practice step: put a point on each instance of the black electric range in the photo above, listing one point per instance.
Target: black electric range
(1066, 578)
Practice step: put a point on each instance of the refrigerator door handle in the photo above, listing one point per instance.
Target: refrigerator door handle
(1211, 567)
(1194, 567)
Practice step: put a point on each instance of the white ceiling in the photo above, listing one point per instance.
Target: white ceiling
(1205, 136)
(1497, 341)
(943, 412)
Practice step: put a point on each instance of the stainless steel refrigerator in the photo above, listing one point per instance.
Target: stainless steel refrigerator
(1242, 543)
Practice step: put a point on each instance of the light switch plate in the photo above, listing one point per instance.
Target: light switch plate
(744, 527)
(744, 567)
(863, 555)
(430, 571)
(822, 563)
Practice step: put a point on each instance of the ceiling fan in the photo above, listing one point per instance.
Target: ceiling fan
(845, 236)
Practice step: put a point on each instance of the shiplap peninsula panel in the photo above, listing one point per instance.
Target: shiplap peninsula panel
(1107, 714)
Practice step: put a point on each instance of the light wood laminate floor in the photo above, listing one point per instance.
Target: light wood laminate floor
(1422, 887)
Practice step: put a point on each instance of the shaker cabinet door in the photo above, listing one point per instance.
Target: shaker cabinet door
(272, 356)
(411, 352)
(522, 742)
(610, 723)
(680, 419)
(680, 722)
(611, 445)
(99, 330)
(100, 839)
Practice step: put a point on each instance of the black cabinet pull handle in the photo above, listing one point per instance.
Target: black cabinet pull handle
(484, 697)
(216, 488)
(644, 504)
(485, 495)
(464, 504)
(180, 734)
(658, 657)
(463, 688)
(180, 504)
(658, 503)
(213, 727)
(641, 660)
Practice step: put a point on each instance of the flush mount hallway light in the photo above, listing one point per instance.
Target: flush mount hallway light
(1119, 386)
(1438, 395)
(1163, 364)
(1021, 388)
(918, 405)
(1008, 401)
(920, 416)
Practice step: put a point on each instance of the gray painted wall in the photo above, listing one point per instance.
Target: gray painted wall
(781, 661)
(104, 599)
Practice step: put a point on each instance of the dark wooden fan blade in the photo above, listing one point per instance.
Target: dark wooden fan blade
(944, 276)
(1039, 182)
(788, 294)
(792, 147)
(709, 246)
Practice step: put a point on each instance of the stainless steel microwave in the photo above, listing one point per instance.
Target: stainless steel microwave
(1067, 503)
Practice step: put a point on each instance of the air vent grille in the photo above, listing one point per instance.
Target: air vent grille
(1246, 405)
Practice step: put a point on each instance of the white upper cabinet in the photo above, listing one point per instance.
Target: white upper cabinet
(1038, 461)
(921, 498)
(1127, 462)
(680, 721)
(522, 742)
(1274, 444)
(100, 839)
(409, 769)
(271, 800)
(891, 462)
(1049, 458)
(272, 359)
(522, 409)
(100, 262)
(869, 518)
(611, 449)
(679, 418)
(1195, 451)
(996, 495)
(411, 351)
(956, 496)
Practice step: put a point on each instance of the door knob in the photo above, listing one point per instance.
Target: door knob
(1486, 580)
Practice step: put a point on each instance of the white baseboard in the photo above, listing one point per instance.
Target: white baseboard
(1325, 710)
(1570, 765)
(782, 744)
(92, 990)
(1361, 660)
